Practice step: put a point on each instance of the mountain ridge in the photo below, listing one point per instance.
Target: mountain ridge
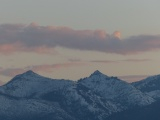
(150, 86)
(95, 97)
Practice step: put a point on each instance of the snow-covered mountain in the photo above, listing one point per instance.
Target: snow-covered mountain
(114, 89)
(31, 84)
(150, 86)
(29, 96)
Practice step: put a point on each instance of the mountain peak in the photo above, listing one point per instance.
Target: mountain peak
(29, 72)
(97, 72)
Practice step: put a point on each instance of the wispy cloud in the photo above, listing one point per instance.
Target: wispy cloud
(118, 61)
(38, 68)
(103, 61)
(43, 39)
(135, 60)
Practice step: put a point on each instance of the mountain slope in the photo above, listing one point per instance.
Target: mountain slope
(150, 112)
(150, 86)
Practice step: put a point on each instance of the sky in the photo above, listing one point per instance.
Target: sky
(70, 39)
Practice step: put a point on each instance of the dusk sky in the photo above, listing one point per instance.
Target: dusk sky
(70, 39)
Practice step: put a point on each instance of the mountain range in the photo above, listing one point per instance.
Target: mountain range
(30, 96)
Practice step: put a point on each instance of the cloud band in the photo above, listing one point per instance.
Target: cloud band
(43, 39)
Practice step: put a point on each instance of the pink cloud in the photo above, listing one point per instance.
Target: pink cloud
(43, 39)
(117, 34)
(9, 48)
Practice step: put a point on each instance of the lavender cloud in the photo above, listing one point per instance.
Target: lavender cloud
(43, 39)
